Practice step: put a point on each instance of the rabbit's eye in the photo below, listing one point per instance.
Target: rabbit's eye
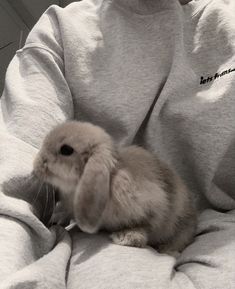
(66, 150)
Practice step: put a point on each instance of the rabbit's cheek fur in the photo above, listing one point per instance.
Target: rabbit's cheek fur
(62, 171)
(63, 176)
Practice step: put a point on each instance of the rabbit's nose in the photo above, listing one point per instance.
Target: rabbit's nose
(40, 166)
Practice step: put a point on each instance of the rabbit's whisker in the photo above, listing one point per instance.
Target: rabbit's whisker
(47, 201)
(38, 192)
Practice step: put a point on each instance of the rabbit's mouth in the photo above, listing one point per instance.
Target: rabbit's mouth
(49, 174)
(63, 172)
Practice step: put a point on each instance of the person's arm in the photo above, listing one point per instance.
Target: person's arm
(36, 97)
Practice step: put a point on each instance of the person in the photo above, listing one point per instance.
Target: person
(153, 72)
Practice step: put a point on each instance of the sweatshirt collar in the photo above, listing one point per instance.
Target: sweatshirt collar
(146, 7)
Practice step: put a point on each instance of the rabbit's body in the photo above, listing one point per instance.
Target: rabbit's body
(127, 191)
(146, 195)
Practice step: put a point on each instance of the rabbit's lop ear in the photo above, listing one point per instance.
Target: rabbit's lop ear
(93, 190)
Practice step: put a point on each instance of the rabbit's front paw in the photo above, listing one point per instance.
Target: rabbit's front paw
(130, 237)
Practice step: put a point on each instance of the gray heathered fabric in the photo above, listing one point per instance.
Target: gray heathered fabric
(150, 72)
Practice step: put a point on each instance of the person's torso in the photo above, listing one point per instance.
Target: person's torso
(163, 80)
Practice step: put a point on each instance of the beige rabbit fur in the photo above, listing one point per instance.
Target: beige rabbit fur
(127, 191)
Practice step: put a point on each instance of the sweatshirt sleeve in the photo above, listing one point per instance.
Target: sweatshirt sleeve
(35, 98)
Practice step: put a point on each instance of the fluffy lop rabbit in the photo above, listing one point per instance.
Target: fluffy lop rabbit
(127, 191)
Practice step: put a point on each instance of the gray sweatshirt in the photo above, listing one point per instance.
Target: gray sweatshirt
(154, 73)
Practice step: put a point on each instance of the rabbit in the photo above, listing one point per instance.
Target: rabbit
(126, 191)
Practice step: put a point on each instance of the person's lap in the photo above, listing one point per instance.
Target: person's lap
(207, 263)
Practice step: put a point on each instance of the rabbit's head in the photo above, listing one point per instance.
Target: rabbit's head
(78, 158)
